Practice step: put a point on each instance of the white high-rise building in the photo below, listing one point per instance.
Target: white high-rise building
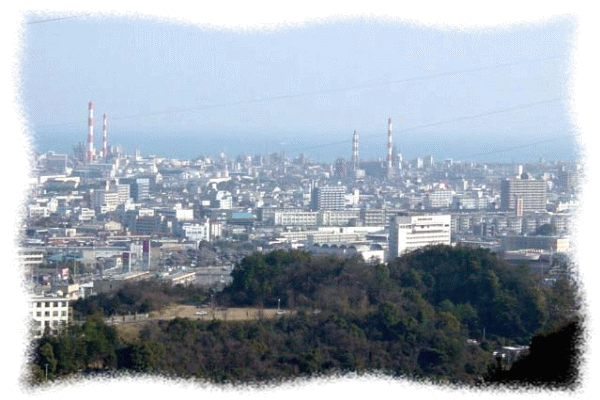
(411, 232)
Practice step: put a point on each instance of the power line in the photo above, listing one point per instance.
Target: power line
(505, 150)
(350, 88)
(56, 19)
(519, 147)
(296, 95)
(519, 107)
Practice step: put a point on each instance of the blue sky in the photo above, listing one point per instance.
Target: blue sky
(30, 93)
(303, 84)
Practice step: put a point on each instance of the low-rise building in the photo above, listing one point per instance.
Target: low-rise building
(181, 278)
(295, 218)
(49, 314)
(551, 243)
(197, 232)
(369, 252)
(115, 282)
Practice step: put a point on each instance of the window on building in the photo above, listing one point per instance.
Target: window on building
(47, 314)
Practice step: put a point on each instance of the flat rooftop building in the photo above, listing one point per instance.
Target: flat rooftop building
(412, 232)
(49, 314)
(328, 198)
(531, 193)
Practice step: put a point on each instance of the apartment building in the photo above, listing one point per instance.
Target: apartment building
(328, 198)
(531, 192)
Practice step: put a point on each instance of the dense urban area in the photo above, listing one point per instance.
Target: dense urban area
(267, 266)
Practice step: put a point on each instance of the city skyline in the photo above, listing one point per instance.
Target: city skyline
(302, 89)
(79, 132)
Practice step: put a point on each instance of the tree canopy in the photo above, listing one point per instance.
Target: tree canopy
(421, 315)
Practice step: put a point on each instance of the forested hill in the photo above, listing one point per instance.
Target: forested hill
(421, 315)
(471, 289)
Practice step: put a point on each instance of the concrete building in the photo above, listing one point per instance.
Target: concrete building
(415, 231)
(157, 224)
(105, 199)
(338, 217)
(532, 193)
(549, 243)
(369, 252)
(440, 198)
(469, 202)
(124, 192)
(218, 199)
(329, 234)
(295, 218)
(428, 161)
(529, 224)
(31, 258)
(197, 232)
(176, 213)
(85, 214)
(371, 217)
(115, 282)
(328, 198)
(49, 313)
(36, 211)
(181, 278)
(568, 179)
(266, 215)
(57, 163)
(140, 189)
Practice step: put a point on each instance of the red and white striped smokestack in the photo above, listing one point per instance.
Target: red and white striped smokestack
(90, 155)
(355, 161)
(104, 134)
(389, 144)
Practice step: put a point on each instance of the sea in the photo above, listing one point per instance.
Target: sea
(487, 148)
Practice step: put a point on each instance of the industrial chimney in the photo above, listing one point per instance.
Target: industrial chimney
(389, 148)
(355, 161)
(90, 152)
(104, 134)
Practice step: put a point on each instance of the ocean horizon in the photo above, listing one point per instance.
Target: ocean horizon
(323, 148)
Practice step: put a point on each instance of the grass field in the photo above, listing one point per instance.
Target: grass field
(129, 332)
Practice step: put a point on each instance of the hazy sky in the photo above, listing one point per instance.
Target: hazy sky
(318, 81)
(87, 59)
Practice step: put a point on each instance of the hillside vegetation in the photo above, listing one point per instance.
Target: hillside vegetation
(412, 318)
